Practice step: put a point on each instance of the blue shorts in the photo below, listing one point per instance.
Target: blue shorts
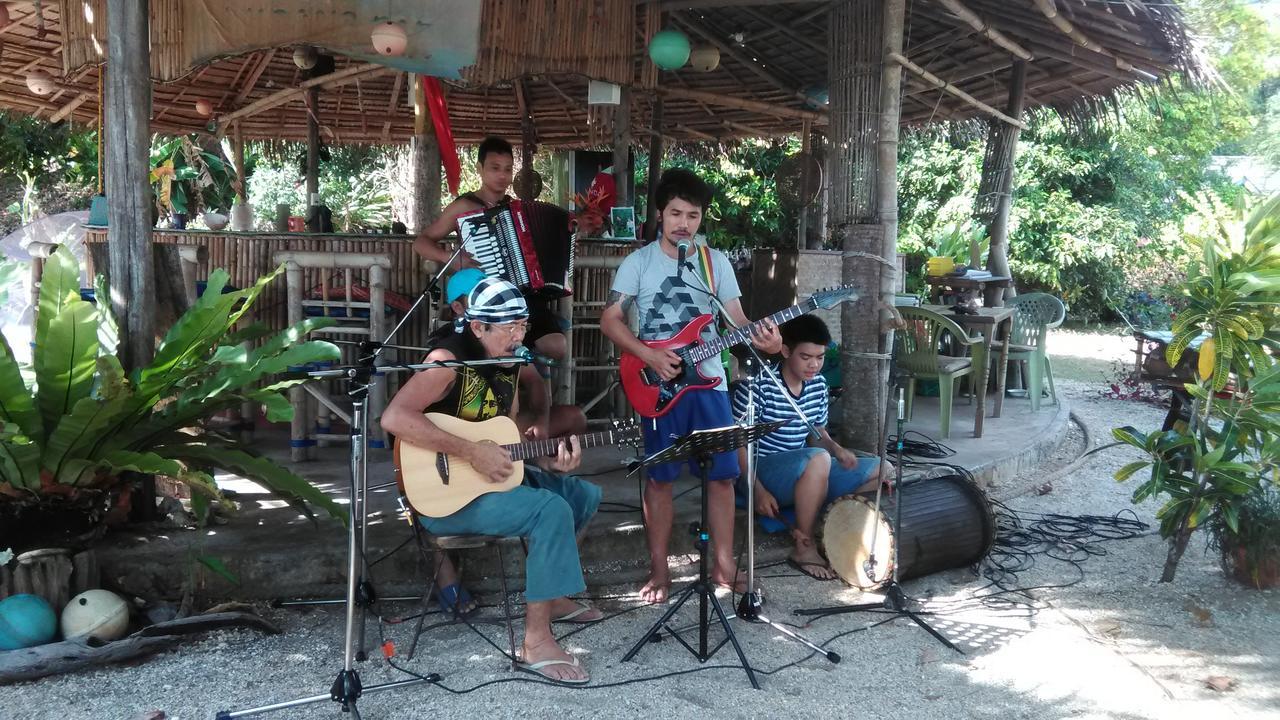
(779, 473)
(695, 410)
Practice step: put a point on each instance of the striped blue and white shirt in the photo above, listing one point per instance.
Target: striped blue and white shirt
(771, 406)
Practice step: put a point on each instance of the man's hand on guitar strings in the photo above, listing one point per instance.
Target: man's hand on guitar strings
(766, 338)
(568, 456)
(491, 460)
(664, 362)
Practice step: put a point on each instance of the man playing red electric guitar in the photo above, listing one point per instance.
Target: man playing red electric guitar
(668, 298)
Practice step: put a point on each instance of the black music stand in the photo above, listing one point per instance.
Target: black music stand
(701, 446)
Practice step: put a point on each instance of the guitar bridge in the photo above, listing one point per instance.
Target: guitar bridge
(442, 467)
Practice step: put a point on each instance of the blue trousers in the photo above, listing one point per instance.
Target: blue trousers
(780, 471)
(548, 511)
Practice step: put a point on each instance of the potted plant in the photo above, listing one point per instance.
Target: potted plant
(187, 179)
(1251, 551)
(1214, 469)
(73, 424)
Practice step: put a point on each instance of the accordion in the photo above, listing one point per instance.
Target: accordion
(528, 243)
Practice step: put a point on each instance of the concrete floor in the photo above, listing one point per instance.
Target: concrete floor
(274, 551)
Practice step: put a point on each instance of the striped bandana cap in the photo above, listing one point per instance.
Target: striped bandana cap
(496, 301)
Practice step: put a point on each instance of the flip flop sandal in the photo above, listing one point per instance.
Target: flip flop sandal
(454, 599)
(803, 568)
(573, 616)
(537, 668)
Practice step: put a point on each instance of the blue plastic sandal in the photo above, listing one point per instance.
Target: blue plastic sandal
(455, 600)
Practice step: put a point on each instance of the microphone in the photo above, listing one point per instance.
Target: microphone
(530, 356)
(683, 248)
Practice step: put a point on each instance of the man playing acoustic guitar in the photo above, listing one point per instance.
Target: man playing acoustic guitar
(668, 298)
(547, 508)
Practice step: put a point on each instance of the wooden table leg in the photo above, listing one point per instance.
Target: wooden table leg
(980, 389)
(1003, 369)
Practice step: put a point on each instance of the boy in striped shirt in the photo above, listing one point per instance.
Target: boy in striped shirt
(797, 474)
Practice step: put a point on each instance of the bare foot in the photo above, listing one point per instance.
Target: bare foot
(720, 577)
(563, 608)
(807, 559)
(549, 650)
(657, 588)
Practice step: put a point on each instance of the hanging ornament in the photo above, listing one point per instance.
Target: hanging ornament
(40, 82)
(204, 107)
(389, 39)
(705, 58)
(669, 49)
(305, 57)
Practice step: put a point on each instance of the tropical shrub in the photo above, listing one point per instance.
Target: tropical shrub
(74, 423)
(1225, 458)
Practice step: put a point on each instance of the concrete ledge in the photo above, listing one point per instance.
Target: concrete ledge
(277, 553)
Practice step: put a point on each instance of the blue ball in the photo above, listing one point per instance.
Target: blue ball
(25, 621)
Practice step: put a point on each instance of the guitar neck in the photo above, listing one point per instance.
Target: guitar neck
(549, 447)
(743, 334)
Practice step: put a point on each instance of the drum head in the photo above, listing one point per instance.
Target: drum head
(849, 529)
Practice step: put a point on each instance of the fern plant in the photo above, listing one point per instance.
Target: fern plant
(70, 434)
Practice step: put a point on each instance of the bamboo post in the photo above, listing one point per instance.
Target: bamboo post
(622, 148)
(802, 226)
(299, 431)
(997, 178)
(887, 198)
(313, 145)
(655, 169)
(128, 144)
(237, 149)
(425, 147)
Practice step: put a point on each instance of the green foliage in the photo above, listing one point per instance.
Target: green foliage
(745, 211)
(85, 422)
(188, 178)
(1225, 459)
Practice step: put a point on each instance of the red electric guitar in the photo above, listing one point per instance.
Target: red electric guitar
(651, 397)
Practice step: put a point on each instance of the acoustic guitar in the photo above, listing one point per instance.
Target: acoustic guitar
(651, 396)
(438, 484)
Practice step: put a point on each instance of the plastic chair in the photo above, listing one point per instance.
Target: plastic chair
(1036, 314)
(917, 350)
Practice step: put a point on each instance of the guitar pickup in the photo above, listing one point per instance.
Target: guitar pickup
(442, 467)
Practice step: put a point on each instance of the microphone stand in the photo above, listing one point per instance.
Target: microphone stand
(895, 599)
(752, 601)
(347, 688)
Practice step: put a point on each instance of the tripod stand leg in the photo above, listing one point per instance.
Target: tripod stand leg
(733, 639)
(930, 629)
(657, 627)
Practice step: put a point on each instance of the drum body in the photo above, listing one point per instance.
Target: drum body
(946, 523)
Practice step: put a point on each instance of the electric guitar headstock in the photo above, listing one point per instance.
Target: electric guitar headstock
(827, 298)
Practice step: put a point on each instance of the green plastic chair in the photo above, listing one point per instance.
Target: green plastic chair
(1037, 313)
(918, 348)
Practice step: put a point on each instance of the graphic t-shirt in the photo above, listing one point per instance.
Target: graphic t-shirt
(665, 304)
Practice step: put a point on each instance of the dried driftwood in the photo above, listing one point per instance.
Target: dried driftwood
(81, 653)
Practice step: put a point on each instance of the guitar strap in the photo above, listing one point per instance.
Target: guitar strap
(709, 279)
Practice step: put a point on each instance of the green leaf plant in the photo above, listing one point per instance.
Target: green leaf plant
(84, 423)
(1224, 458)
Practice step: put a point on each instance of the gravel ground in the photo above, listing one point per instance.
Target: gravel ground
(1112, 643)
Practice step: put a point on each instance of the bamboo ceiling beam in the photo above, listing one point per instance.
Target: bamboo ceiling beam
(15, 22)
(392, 105)
(793, 24)
(743, 104)
(689, 4)
(791, 87)
(977, 23)
(820, 48)
(1050, 10)
(252, 81)
(945, 86)
(743, 127)
(696, 133)
(69, 108)
(281, 97)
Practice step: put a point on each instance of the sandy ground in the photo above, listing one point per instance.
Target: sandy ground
(1100, 638)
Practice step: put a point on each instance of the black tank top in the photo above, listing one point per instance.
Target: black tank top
(477, 393)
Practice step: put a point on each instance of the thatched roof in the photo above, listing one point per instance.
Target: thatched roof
(773, 60)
